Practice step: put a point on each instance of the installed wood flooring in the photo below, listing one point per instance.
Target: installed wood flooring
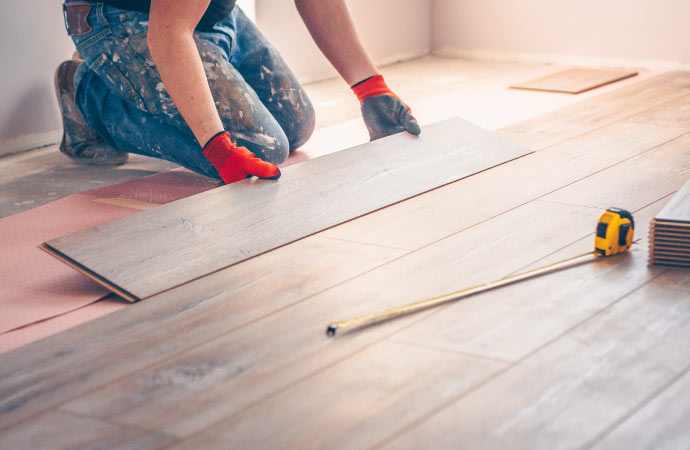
(591, 357)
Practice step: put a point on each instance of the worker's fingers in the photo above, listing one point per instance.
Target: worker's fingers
(263, 169)
(412, 127)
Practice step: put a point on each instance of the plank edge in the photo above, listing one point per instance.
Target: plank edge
(92, 275)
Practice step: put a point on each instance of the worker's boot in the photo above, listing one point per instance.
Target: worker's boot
(79, 142)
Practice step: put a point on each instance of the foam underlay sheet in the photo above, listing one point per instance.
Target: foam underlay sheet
(39, 295)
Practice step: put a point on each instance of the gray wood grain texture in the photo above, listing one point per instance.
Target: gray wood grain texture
(360, 401)
(571, 391)
(551, 128)
(281, 349)
(677, 209)
(662, 423)
(419, 220)
(658, 172)
(60, 430)
(156, 250)
(46, 373)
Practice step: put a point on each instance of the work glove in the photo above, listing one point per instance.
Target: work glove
(235, 163)
(384, 113)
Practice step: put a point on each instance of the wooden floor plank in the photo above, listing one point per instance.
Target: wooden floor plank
(676, 210)
(434, 215)
(59, 430)
(46, 373)
(570, 391)
(353, 405)
(575, 80)
(553, 127)
(662, 423)
(670, 114)
(269, 355)
(159, 249)
(634, 183)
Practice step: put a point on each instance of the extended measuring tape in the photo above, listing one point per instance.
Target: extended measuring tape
(614, 235)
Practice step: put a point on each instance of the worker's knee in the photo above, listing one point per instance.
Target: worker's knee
(268, 143)
(303, 126)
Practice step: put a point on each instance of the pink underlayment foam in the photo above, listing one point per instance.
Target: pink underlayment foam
(40, 295)
(39, 330)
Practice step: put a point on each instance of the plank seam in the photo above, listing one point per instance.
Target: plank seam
(622, 119)
(445, 405)
(61, 403)
(360, 242)
(635, 409)
(449, 350)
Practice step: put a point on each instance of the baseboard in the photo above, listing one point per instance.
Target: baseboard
(28, 142)
(558, 58)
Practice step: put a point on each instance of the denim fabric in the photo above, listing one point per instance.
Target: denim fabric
(120, 94)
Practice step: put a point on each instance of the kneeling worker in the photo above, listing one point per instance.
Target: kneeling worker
(195, 82)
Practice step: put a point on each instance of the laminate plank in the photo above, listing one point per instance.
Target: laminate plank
(159, 249)
(436, 214)
(354, 404)
(568, 393)
(677, 210)
(663, 423)
(59, 430)
(635, 182)
(670, 262)
(553, 127)
(674, 113)
(575, 80)
(44, 374)
(194, 390)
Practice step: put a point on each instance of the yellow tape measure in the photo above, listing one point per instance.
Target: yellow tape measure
(615, 231)
(614, 235)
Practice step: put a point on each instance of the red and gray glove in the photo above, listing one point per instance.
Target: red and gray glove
(235, 163)
(384, 112)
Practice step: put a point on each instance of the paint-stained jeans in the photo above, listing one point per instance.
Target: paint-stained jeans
(120, 94)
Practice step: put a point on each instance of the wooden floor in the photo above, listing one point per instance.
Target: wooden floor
(592, 357)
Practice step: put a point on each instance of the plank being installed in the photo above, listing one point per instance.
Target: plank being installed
(575, 80)
(156, 250)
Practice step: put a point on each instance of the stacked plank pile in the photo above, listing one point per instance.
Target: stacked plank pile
(669, 235)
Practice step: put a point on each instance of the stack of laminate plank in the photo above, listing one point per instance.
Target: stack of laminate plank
(669, 235)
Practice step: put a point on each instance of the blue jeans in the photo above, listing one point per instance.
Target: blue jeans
(120, 94)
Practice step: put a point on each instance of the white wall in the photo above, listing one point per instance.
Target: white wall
(391, 30)
(33, 43)
(648, 33)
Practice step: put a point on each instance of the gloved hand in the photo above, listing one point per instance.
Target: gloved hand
(235, 163)
(384, 112)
